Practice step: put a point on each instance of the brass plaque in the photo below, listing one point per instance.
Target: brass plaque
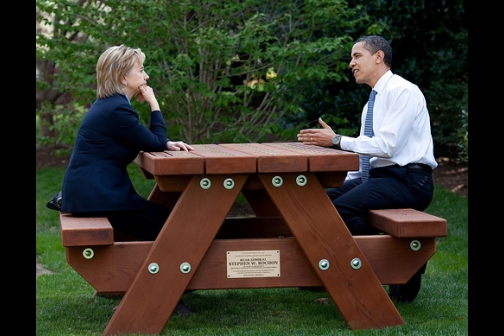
(253, 264)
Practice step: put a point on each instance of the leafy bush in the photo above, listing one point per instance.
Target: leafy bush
(253, 70)
(66, 120)
(222, 72)
(464, 135)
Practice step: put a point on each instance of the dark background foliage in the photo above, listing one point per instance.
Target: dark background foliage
(429, 41)
(430, 48)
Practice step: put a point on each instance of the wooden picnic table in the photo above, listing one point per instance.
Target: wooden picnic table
(297, 237)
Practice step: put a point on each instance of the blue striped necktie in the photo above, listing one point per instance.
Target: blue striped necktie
(368, 131)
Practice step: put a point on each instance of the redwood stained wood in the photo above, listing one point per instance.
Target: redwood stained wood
(177, 183)
(321, 159)
(299, 221)
(272, 160)
(172, 183)
(143, 308)
(408, 223)
(322, 235)
(217, 160)
(167, 199)
(113, 268)
(181, 163)
(84, 231)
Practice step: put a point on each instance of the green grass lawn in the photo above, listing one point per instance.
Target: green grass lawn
(65, 304)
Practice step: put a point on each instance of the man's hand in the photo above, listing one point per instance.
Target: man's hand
(316, 136)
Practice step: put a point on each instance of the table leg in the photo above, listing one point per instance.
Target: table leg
(175, 255)
(332, 251)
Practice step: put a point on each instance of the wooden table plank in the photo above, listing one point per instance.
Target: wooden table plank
(321, 159)
(272, 160)
(223, 160)
(97, 230)
(422, 224)
(171, 163)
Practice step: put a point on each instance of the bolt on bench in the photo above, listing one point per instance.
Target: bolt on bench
(296, 239)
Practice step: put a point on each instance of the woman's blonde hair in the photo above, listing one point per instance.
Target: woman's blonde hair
(115, 63)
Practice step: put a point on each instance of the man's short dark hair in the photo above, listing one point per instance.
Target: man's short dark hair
(374, 43)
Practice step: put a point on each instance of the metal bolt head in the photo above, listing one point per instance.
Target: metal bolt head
(185, 267)
(277, 181)
(324, 264)
(301, 180)
(356, 263)
(153, 268)
(205, 183)
(88, 253)
(415, 245)
(229, 183)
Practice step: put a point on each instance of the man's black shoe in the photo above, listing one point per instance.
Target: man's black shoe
(409, 291)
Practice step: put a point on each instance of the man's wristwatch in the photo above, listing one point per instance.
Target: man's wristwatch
(336, 140)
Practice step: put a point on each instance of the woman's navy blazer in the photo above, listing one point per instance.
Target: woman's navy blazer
(109, 138)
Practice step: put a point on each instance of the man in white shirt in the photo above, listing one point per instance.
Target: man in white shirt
(400, 150)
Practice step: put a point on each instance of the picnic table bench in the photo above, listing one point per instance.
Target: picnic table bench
(305, 245)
